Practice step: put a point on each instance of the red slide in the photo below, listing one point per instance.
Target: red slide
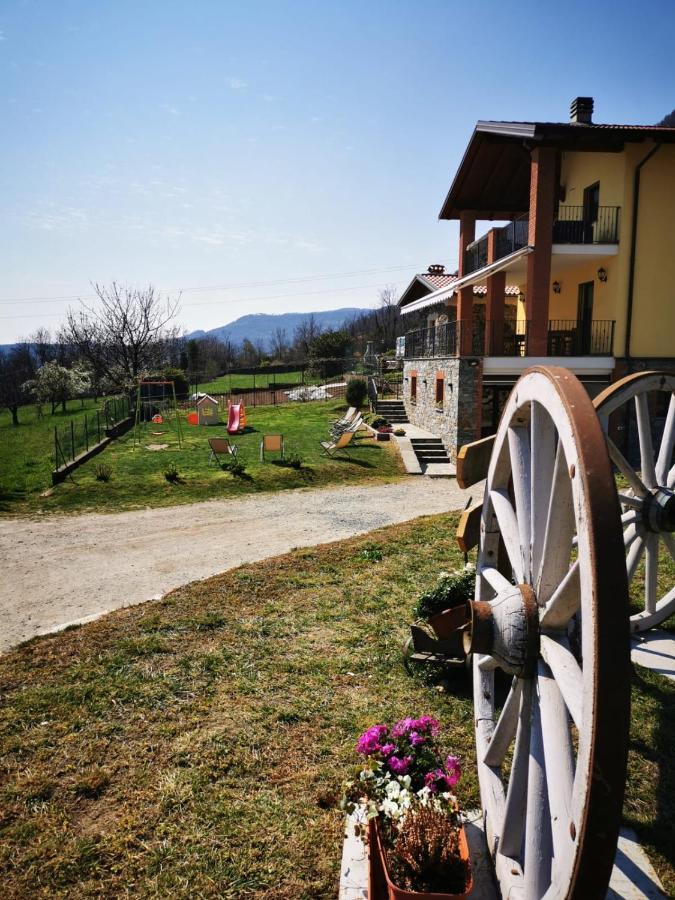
(233, 418)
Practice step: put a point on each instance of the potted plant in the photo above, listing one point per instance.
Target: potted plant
(384, 433)
(405, 796)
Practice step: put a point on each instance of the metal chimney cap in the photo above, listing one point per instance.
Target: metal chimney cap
(581, 110)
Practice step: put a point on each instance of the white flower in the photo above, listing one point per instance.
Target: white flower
(390, 809)
(392, 790)
(405, 781)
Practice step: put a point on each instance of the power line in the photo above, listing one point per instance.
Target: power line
(224, 287)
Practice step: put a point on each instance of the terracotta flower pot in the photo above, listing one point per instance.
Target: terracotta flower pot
(380, 885)
(446, 623)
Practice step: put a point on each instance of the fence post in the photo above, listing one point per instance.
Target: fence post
(56, 448)
(98, 426)
(72, 438)
(86, 434)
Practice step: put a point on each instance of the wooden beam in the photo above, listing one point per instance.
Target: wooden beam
(473, 461)
(468, 530)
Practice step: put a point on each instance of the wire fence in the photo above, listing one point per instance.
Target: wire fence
(116, 410)
(79, 435)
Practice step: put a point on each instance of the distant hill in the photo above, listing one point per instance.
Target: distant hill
(261, 325)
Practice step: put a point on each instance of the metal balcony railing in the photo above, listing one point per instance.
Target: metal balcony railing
(566, 337)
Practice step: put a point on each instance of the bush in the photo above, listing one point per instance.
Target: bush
(294, 460)
(234, 466)
(356, 392)
(451, 589)
(103, 472)
(379, 422)
(399, 432)
(172, 474)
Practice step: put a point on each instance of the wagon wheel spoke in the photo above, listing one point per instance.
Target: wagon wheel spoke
(667, 443)
(564, 601)
(519, 449)
(513, 827)
(651, 571)
(647, 468)
(560, 766)
(630, 500)
(626, 469)
(543, 439)
(538, 849)
(567, 673)
(508, 525)
(669, 541)
(560, 528)
(506, 725)
(630, 534)
(495, 579)
(634, 556)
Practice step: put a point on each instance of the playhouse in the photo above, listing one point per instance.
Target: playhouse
(207, 410)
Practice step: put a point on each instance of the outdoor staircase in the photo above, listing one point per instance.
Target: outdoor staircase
(429, 451)
(392, 410)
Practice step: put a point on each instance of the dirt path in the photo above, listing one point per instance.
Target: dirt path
(60, 570)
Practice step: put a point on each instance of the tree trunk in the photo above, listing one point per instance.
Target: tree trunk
(53, 406)
(15, 414)
(63, 406)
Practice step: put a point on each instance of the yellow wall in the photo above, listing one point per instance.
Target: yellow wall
(581, 170)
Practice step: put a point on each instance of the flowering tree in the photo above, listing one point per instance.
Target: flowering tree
(55, 384)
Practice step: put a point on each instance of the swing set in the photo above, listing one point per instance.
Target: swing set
(157, 408)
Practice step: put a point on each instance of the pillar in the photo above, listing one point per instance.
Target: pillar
(467, 234)
(494, 304)
(540, 236)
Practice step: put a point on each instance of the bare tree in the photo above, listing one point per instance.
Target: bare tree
(43, 345)
(387, 315)
(279, 343)
(306, 333)
(127, 333)
(16, 368)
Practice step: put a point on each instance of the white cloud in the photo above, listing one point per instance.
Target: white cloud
(172, 110)
(237, 84)
(2, 36)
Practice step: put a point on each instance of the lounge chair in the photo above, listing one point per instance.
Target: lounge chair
(271, 443)
(221, 447)
(330, 448)
(346, 419)
(355, 425)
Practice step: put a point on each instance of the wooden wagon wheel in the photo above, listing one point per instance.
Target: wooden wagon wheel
(551, 611)
(648, 504)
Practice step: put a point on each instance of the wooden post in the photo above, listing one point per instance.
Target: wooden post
(86, 434)
(98, 426)
(72, 438)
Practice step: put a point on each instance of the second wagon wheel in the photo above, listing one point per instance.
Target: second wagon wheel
(552, 612)
(648, 501)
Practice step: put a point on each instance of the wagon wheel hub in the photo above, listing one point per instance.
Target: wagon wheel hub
(506, 628)
(658, 512)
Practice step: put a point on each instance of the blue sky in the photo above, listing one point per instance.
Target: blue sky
(251, 153)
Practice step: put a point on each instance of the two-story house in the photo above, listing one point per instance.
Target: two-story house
(579, 272)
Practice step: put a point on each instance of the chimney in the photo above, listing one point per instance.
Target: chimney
(436, 269)
(581, 111)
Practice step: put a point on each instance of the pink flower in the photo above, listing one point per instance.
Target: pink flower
(387, 749)
(434, 780)
(454, 767)
(402, 727)
(416, 739)
(399, 766)
(428, 725)
(369, 742)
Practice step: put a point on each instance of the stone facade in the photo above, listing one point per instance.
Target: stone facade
(458, 419)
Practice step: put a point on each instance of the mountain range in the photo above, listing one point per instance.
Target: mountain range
(262, 325)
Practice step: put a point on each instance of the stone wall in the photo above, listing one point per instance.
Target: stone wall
(458, 420)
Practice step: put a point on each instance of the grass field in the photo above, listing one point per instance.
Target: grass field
(263, 379)
(138, 480)
(27, 452)
(195, 746)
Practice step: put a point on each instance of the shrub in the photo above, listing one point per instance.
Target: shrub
(451, 589)
(172, 474)
(234, 466)
(356, 392)
(103, 472)
(399, 432)
(294, 460)
(379, 422)
(374, 554)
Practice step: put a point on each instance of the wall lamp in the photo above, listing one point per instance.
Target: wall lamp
(556, 287)
(424, 381)
(602, 274)
(473, 363)
(406, 378)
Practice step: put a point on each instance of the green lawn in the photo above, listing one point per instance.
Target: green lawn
(27, 452)
(195, 746)
(138, 473)
(264, 379)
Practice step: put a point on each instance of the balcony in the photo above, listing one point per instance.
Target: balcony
(566, 338)
(571, 226)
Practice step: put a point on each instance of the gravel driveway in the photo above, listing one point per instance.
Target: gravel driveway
(65, 569)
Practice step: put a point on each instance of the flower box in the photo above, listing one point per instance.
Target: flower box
(380, 884)
(383, 435)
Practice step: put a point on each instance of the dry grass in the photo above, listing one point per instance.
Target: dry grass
(194, 747)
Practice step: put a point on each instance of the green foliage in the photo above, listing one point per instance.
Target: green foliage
(172, 474)
(103, 472)
(372, 553)
(294, 461)
(399, 432)
(356, 392)
(180, 382)
(451, 589)
(379, 422)
(234, 466)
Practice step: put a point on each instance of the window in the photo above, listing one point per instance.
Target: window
(413, 387)
(440, 390)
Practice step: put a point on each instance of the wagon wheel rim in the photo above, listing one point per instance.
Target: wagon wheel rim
(550, 480)
(648, 504)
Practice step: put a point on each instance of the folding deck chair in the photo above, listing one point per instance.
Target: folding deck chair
(221, 447)
(330, 448)
(271, 443)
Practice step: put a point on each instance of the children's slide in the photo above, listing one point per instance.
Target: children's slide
(236, 418)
